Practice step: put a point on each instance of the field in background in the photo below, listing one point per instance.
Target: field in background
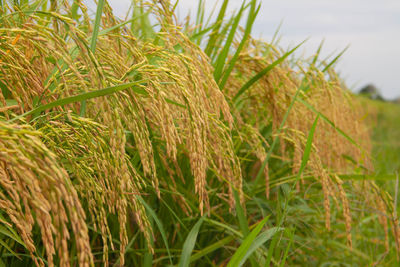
(386, 136)
(384, 122)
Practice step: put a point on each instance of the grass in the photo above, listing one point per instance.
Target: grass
(385, 135)
(149, 142)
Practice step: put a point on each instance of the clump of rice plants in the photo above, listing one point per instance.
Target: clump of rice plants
(148, 142)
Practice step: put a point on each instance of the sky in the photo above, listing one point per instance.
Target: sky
(370, 28)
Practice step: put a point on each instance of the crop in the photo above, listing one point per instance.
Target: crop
(149, 142)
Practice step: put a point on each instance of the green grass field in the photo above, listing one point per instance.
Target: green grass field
(157, 142)
(386, 136)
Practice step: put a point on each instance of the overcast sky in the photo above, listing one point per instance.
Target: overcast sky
(370, 27)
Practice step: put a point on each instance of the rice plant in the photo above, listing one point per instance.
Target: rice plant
(156, 142)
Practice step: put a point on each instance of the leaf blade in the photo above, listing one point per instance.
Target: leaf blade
(259, 75)
(239, 255)
(189, 244)
(82, 97)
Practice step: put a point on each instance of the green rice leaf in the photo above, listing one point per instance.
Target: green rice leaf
(259, 75)
(335, 59)
(249, 25)
(214, 35)
(189, 244)
(221, 243)
(224, 227)
(4, 245)
(220, 63)
(197, 36)
(239, 255)
(318, 52)
(11, 234)
(85, 96)
(288, 246)
(244, 227)
(307, 149)
(259, 241)
(96, 25)
(159, 225)
(271, 250)
(93, 42)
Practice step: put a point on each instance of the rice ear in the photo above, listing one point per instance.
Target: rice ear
(36, 190)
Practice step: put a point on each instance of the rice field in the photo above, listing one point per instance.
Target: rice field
(157, 142)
